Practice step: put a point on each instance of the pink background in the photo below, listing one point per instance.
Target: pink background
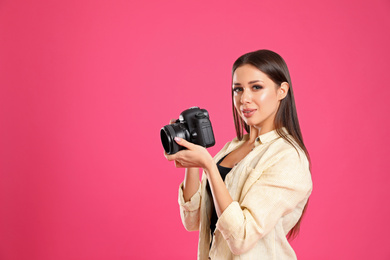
(85, 87)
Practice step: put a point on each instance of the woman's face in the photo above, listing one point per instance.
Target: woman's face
(257, 97)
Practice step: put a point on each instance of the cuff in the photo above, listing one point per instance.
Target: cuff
(193, 203)
(230, 219)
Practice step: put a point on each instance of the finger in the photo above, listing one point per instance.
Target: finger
(175, 156)
(172, 121)
(170, 157)
(183, 142)
(166, 155)
(178, 164)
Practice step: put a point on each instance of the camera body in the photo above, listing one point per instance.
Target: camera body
(193, 125)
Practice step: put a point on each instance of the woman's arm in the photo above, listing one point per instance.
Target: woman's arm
(221, 195)
(198, 156)
(189, 196)
(190, 183)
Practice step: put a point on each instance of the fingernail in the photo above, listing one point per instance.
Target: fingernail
(177, 139)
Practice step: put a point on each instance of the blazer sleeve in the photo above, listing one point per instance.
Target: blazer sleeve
(190, 210)
(278, 190)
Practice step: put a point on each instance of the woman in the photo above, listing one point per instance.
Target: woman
(252, 212)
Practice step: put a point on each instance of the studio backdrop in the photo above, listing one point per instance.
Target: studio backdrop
(85, 87)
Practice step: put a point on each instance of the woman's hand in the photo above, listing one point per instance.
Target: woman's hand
(198, 156)
(194, 156)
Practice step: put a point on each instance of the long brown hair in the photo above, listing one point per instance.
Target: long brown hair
(274, 66)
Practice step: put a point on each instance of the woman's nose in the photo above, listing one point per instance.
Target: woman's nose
(246, 96)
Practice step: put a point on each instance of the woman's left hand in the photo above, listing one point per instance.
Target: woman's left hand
(194, 156)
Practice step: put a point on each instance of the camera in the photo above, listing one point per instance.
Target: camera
(193, 125)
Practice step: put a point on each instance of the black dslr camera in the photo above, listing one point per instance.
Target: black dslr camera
(193, 125)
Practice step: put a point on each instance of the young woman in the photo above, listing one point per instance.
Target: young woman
(254, 192)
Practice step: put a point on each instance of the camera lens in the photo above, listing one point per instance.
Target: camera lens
(168, 134)
(167, 139)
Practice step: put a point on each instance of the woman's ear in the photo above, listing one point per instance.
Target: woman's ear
(283, 90)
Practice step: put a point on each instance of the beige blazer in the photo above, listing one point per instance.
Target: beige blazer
(269, 187)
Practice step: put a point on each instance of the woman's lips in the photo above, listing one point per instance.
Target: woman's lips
(248, 112)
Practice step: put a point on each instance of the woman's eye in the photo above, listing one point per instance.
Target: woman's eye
(257, 87)
(237, 89)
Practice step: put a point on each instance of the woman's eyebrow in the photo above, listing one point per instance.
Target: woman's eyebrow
(250, 82)
(254, 81)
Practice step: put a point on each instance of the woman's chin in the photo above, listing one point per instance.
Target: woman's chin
(249, 122)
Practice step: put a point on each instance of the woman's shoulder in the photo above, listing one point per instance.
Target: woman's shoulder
(286, 148)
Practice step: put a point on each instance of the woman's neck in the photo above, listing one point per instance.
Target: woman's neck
(256, 131)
